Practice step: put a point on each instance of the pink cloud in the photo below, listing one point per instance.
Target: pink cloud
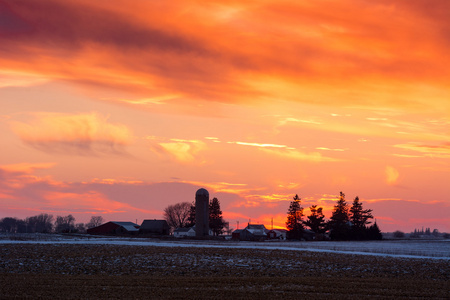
(81, 134)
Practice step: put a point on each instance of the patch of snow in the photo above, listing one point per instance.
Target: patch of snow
(401, 249)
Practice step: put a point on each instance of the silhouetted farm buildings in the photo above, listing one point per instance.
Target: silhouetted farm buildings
(115, 228)
(153, 227)
(159, 227)
(253, 232)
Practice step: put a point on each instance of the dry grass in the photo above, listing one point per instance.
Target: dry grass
(142, 272)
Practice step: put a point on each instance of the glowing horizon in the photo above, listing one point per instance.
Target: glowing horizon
(120, 109)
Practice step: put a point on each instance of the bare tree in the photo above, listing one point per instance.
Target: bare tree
(65, 224)
(80, 228)
(177, 215)
(40, 223)
(95, 221)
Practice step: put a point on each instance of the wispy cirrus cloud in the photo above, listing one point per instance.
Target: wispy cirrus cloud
(26, 168)
(261, 145)
(80, 134)
(441, 151)
(181, 150)
(299, 155)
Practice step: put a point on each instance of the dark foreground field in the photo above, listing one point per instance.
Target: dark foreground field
(146, 272)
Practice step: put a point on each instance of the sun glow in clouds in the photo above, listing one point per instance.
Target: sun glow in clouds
(391, 175)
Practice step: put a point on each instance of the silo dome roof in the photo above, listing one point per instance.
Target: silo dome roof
(202, 192)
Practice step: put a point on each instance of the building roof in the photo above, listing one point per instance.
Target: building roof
(129, 226)
(279, 230)
(154, 224)
(256, 226)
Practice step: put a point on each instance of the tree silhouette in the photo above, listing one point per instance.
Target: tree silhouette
(216, 222)
(65, 224)
(9, 225)
(42, 223)
(191, 218)
(294, 219)
(374, 233)
(177, 215)
(95, 221)
(359, 219)
(316, 220)
(339, 221)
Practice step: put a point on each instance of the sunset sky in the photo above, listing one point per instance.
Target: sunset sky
(121, 108)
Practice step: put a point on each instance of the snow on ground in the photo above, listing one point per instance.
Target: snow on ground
(434, 249)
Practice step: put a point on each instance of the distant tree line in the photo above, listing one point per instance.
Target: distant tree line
(46, 223)
(346, 223)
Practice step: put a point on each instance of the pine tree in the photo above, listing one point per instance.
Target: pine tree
(216, 222)
(374, 232)
(339, 220)
(359, 218)
(316, 220)
(191, 217)
(294, 219)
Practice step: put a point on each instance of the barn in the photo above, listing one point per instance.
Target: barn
(158, 227)
(115, 228)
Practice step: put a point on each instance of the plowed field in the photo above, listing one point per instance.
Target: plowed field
(147, 272)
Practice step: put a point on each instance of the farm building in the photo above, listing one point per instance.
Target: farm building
(184, 232)
(115, 228)
(252, 232)
(159, 227)
(187, 232)
(277, 234)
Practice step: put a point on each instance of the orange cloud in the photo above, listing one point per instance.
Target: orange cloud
(181, 150)
(441, 151)
(26, 168)
(177, 50)
(15, 78)
(298, 155)
(89, 202)
(82, 134)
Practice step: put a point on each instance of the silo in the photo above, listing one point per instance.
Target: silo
(201, 213)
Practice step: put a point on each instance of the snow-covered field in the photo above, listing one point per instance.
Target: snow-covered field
(435, 249)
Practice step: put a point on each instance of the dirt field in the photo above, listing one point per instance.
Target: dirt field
(146, 272)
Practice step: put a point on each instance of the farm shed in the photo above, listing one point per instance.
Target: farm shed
(252, 232)
(277, 234)
(183, 232)
(159, 227)
(115, 228)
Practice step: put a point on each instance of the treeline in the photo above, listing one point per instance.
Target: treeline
(346, 222)
(46, 223)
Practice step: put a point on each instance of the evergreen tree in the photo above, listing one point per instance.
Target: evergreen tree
(216, 222)
(338, 224)
(316, 220)
(191, 218)
(294, 219)
(374, 233)
(359, 218)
